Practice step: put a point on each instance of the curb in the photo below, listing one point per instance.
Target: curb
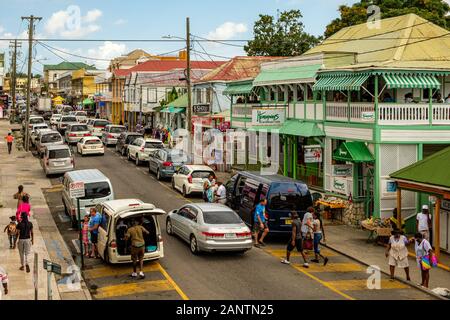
(429, 292)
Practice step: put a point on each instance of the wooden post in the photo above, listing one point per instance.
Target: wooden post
(399, 208)
(437, 230)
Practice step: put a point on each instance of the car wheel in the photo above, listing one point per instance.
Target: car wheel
(158, 175)
(138, 162)
(193, 245)
(184, 191)
(128, 156)
(169, 228)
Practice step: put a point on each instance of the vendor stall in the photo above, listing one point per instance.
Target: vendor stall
(380, 231)
(332, 207)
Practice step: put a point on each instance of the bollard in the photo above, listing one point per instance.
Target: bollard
(35, 276)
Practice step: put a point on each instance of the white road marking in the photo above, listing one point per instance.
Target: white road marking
(63, 218)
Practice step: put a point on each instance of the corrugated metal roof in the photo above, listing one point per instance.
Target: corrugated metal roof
(167, 65)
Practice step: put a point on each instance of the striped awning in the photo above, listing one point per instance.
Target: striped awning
(351, 82)
(398, 81)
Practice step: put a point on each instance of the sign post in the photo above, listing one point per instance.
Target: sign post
(51, 268)
(76, 190)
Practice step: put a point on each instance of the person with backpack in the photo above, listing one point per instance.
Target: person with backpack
(26, 240)
(11, 230)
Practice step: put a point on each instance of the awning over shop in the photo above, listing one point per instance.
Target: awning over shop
(354, 151)
(58, 99)
(300, 74)
(181, 102)
(301, 129)
(87, 102)
(350, 82)
(397, 81)
(264, 128)
(239, 88)
(173, 110)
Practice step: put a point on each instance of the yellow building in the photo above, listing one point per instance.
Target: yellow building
(83, 84)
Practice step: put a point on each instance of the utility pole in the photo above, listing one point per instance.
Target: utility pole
(188, 77)
(14, 45)
(31, 20)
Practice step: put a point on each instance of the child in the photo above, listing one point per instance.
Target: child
(12, 232)
(23, 207)
(85, 235)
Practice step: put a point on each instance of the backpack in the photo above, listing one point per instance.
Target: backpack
(12, 228)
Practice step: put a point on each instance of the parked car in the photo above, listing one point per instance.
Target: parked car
(90, 145)
(33, 121)
(48, 138)
(283, 194)
(75, 132)
(55, 119)
(97, 126)
(47, 115)
(111, 134)
(209, 227)
(81, 116)
(124, 140)
(64, 122)
(35, 130)
(190, 178)
(97, 187)
(57, 159)
(165, 162)
(141, 148)
(114, 250)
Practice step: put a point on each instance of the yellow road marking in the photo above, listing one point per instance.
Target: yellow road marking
(55, 188)
(281, 253)
(133, 288)
(335, 267)
(173, 283)
(325, 284)
(102, 272)
(354, 285)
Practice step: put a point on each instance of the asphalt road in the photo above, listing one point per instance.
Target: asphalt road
(257, 274)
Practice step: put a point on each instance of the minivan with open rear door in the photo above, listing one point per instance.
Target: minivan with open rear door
(117, 217)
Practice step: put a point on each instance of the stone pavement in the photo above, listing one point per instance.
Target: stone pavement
(353, 243)
(23, 168)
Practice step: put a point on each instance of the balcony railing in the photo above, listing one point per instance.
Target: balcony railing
(358, 112)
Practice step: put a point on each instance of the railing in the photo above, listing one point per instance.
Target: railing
(404, 114)
(441, 114)
(362, 112)
(242, 111)
(337, 111)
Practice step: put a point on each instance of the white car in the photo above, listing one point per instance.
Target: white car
(141, 148)
(90, 145)
(112, 133)
(81, 116)
(55, 119)
(190, 179)
(97, 126)
(64, 122)
(33, 121)
(35, 130)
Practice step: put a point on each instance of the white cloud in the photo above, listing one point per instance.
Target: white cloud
(227, 31)
(70, 23)
(106, 51)
(120, 22)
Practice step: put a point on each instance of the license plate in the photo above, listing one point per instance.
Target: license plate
(288, 221)
(230, 235)
(58, 164)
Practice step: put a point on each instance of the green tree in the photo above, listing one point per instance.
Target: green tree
(283, 36)
(170, 96)
(436, 11)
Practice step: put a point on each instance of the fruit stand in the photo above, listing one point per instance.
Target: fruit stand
(335, 205)
(380, 231)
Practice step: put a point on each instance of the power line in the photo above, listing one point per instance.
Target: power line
(124, 40)
(218, 41)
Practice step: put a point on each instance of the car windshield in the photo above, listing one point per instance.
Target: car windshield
(79, 128)
(96, 190)
(178, 156)
(36, 120)
(130, 139)
(59, 154)
(40, 127)
(201, 174)
(221, 217)
(69, 119)
(154, 145)
(287, 196)
(93, 142)
(81, 114)
(53, 137)
(118, 129)
(101, 123)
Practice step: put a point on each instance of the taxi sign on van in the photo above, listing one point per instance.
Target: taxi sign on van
(76, 190)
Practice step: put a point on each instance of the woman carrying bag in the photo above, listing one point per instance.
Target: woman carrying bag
(425, 258)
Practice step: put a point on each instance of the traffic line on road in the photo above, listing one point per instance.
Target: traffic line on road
(281, 253)
(109, 271)
(335, 267)
(133, 288)
(356, 285)
(172, 282)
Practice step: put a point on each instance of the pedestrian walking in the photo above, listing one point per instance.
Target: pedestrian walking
(397, 252)
(85, 235)
(296, 240)
(424, 256)
(19, 195)
(11, 230)
(308, 229)
(318, 235)
(4, 281)
(423, 223)
(23, 207)
(221, 193)
(260, 224)
(9, 141)
(136, 235)
(26, 240)
(94, 223)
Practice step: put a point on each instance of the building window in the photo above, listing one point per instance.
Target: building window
(209, 92)
(199, 96)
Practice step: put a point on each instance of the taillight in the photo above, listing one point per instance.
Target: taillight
(87, 134)
(168, 164)
(110, 136)
(244, 235)
(113, 244)
(213, 235)
(189, 179)
(72, 161)
(72, 135)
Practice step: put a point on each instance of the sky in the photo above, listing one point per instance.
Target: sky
(111, 20)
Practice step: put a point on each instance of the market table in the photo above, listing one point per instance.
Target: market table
(377, 233)
(335, 207)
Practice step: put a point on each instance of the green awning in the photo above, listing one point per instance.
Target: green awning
(352, 82)
(181, 102)
(264, 128)
(300, 74)
(173, 110)
(87, 102)
(398, 81)
(158, 109)
(301, 129)
(238, 88)
(353, 152)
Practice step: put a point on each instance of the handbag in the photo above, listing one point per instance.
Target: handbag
(425, 263)
(434, 261)
(308, 244)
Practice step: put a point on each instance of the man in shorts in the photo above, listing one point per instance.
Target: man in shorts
(94, 224)
(136, 234)
(260, 223)
(296, 240)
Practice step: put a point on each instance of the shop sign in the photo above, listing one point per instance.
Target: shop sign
(343, 170)
(202, 108)
(339, 185)
(313, 154)
(368, 116)
(391, 186)
(267, 117)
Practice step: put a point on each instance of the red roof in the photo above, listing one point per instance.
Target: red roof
(167, 65)
(121, 72)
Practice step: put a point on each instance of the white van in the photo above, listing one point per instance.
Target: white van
(117, 217)
(98, 189)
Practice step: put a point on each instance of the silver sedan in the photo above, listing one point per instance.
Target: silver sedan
(209, 227)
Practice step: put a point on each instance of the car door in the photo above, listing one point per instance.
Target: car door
(248, 200)
(186, 222)
(176, 220)
(152, 161)
(179, 177)
(103, 234)
(132, 148)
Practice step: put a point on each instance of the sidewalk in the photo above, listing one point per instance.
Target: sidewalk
(353, 243)
(22, 168)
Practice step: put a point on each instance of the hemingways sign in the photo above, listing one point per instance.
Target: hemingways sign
(268, 117)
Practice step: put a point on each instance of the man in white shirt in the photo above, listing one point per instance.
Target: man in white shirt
(4, 281)
(221, 193)
(423, 222)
